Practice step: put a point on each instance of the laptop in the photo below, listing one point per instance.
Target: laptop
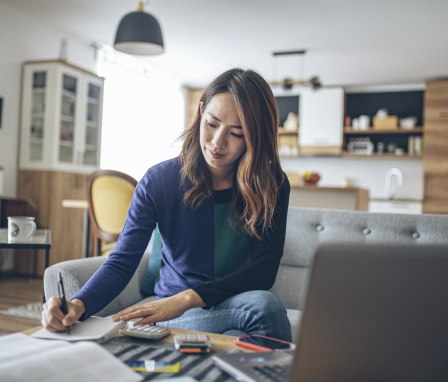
(372, 313)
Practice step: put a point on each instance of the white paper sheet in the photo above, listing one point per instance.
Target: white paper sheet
(23, 358)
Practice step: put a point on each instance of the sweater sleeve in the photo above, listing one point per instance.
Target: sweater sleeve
(261, 270)
(113, 276)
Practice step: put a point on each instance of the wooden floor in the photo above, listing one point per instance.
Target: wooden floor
(14, 292)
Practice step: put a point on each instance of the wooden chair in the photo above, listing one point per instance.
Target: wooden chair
(109, 195)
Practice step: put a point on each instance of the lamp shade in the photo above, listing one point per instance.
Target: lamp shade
(139, 33)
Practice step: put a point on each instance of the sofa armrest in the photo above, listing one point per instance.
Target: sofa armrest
(76, 273)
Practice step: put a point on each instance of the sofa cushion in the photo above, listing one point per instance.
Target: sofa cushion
(294, 316)
(153, 267)
(290, 285)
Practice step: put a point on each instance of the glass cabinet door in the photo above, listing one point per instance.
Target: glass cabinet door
(39, 82)
(67, 119)
(91, 125)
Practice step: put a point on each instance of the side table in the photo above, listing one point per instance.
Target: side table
(40, 240)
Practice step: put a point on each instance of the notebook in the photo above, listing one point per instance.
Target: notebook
(98, 329)
(372, 313)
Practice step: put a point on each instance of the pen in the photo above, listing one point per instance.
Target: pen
(61, 291)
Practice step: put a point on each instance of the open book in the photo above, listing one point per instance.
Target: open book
(97, 329)
(23, 358)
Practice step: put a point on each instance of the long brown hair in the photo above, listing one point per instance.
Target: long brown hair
(258, 175)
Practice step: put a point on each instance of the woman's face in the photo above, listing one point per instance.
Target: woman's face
(221, 135)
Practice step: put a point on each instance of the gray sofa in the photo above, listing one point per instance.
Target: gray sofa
(306, 229)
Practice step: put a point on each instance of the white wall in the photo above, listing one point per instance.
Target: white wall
(23, 38)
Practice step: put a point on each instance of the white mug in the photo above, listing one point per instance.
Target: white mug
(364, 122)
(21, 228)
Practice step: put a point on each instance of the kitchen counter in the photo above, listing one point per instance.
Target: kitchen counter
(346, 198)
(410, 200)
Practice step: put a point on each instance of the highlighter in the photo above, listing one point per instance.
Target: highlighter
(154, 366)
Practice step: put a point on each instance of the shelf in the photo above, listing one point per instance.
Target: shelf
(67, 118)
(36, 141)
(68, 94)
(90, 147)
(39, 90)
(288, 133)
(65, 143)
(356, 156)
(91, 124)
(417, 130)
(37, 115)
(93, 101)
(381, 156)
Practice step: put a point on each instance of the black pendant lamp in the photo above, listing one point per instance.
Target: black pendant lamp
(139, 33)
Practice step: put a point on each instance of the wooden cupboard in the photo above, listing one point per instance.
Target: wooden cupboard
(47, 189)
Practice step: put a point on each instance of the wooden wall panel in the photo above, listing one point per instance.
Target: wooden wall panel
(435, 158)
(194, 96)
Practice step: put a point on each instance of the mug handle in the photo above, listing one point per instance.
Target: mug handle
(33, 229)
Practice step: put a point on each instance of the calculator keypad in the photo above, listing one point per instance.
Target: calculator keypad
(150, 332)
(192, 337)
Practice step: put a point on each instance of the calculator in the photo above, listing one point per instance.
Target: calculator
(149, 332)
(192, 343)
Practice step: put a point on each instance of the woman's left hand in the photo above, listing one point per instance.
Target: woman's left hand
(161, 310)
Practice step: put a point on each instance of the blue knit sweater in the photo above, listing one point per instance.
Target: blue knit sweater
(188, 245)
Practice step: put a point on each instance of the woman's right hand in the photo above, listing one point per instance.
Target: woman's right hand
(54, 320)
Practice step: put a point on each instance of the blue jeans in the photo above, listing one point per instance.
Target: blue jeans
(254, 312)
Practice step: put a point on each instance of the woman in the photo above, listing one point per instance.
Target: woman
(221, 209)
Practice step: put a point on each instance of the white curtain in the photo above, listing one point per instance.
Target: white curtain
(143, 114)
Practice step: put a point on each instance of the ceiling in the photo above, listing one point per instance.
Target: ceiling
(348, 42)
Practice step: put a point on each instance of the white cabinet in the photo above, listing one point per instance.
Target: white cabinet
(321, 121)
(61, 117)
(396, 206)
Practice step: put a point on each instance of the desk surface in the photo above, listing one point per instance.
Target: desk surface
(40, 240)
(200, 367)
(219, 341)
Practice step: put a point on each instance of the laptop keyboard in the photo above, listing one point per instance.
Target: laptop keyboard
(275, 373)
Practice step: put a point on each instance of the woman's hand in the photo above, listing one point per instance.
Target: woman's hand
(54, 320)
(161, 310)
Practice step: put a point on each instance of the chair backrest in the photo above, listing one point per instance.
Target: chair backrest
(307, 228)
(109, 195)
